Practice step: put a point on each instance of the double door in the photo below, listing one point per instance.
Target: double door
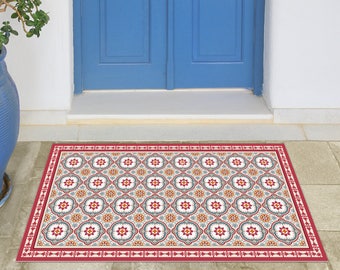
(167, 44)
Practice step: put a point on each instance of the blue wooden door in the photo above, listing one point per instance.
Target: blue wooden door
(131, 44)
(123, 44)
(213, 43)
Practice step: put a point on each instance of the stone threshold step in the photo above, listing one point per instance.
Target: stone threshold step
(168, 106)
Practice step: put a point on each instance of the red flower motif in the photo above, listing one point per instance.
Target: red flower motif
(184, 182)
(121, 231)
(128, 162)
(124, 205)
(101, 162)
(57, 231)
(241, 182)
(89, 231)
(155, 182)
(93, 205)
(269, 182)
(284, 231)
(73, 162)
(264, 162)
(63, 205)
(220, 231)
(187, 231)
(97, 182)
(216, 205)
(209, 162)
(154, 231)
(182, 162)
(252, 231)
(155, 162)
(155, 205)
(185, 205)
(68, 182)
(237, 162)
(246, 205)
(126, 182)
(212, 182)
(277, 205)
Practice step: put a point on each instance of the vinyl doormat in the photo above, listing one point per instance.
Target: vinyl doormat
(170, 202)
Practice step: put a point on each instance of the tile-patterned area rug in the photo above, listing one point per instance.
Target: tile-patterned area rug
(170, 202)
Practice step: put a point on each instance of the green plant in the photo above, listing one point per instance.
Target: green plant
(28, 13)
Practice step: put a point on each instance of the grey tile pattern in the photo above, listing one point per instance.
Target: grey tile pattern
(320, 185)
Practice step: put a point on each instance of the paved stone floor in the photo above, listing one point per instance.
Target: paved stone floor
(317, 164)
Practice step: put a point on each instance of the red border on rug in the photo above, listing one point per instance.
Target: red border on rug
(28, 252)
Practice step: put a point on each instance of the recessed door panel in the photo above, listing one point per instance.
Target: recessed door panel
(122, 39)
(123, 44)
(213, 43)
(217, 30)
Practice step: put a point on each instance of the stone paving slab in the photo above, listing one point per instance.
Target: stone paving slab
(314, 163)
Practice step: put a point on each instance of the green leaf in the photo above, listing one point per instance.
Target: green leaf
(14, 15)
(29, 23)
(27, 13)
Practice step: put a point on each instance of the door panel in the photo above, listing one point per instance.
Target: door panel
(125, 40)
(213, 43)
(217, 36)
(123, 44)
(154, 44)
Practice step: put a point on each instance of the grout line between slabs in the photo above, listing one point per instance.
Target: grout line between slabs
(304, 131)
(333, 154)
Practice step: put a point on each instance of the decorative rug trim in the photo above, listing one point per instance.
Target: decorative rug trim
(170, 202)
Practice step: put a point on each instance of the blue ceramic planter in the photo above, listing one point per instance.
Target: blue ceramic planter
(9, 125)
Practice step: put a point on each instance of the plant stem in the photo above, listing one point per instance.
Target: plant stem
(21, 19)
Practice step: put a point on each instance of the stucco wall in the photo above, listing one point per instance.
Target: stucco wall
(302, 55)
(43, 68)
(302, 58)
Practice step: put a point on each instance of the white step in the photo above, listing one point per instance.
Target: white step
(168, 106)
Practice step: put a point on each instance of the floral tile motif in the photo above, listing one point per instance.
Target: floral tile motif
(166, 202)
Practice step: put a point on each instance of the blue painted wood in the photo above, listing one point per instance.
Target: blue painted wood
(123, 44)
(217, 30)
(77, 38)
(168, 44)
(258, 47)
(214, 47)
(170, 72)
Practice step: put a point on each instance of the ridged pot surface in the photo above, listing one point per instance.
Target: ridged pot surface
(9, 118)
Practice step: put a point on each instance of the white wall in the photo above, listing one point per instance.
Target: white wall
(302, 53)
(43, 67)
(302, 59)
